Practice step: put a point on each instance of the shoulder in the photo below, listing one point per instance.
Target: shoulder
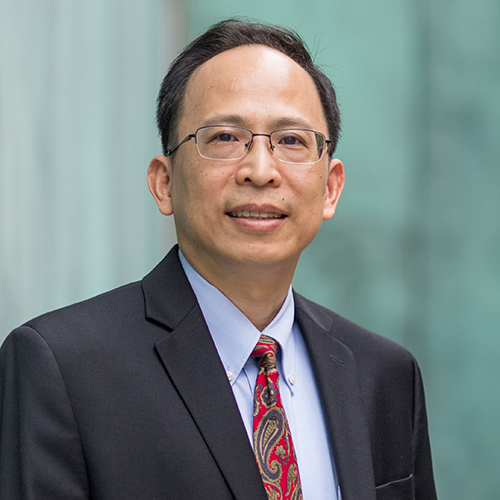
(89, 325)
(123, 306)
(371, 351)
(117, 303)
(133, 316)
(388, 373)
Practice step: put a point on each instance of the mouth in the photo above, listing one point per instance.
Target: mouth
(250, 214)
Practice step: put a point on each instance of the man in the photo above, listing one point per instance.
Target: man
(147, 392)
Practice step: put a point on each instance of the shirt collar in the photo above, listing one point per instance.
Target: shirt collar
(233, 333)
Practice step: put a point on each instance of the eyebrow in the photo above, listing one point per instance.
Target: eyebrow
(292, 122)
(223, 119)
(238, 120)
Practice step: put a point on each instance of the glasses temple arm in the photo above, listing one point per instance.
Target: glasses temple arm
(187, 138)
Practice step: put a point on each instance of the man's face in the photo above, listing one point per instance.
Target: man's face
(262, 90)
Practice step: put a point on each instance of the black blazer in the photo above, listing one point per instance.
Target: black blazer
(124, 397)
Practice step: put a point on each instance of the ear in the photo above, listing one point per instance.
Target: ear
(334, 186)
(159, 182)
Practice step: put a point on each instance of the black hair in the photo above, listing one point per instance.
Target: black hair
(227, 35)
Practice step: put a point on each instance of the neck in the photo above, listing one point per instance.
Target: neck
(257, 290)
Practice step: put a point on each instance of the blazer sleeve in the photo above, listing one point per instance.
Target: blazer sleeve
(423, 474)
(41, 455)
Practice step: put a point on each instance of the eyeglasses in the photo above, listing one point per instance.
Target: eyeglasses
(220, 142)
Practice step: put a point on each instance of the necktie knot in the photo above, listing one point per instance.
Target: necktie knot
(265, 352)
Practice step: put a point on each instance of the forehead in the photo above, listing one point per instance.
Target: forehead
(253, 85)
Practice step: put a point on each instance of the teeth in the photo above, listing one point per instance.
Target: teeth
(256, 215)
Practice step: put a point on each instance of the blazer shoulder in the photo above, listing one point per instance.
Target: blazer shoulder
(116, 317)
(111, 303)
(92, 320)
(362, 342)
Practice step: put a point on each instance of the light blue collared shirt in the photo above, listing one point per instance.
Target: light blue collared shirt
(235, 337)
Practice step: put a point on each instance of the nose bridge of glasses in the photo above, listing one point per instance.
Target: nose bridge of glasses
(250, 142)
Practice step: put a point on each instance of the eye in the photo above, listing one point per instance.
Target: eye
(225, 137)
(221, 135)
(291, 140)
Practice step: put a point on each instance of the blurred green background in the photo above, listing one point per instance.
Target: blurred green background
(414, 250)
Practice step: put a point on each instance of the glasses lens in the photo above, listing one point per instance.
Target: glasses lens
(222, 143)
(298, 145)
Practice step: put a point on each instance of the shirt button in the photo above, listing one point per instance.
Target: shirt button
(229, 375)
(291, 378)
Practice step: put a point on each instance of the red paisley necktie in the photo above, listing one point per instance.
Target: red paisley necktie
(271, 435)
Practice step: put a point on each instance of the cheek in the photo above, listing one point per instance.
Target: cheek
(311, 187)
(312, 204)
(197, 193)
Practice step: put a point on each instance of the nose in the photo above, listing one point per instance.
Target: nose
(259, 166)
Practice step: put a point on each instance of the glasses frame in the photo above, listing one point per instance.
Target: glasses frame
(194, 136)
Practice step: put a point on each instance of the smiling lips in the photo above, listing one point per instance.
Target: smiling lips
(255, 215)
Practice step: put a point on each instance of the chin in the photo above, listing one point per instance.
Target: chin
(264, 255)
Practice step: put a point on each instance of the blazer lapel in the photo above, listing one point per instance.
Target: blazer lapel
(193, 364)
(337, 378)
